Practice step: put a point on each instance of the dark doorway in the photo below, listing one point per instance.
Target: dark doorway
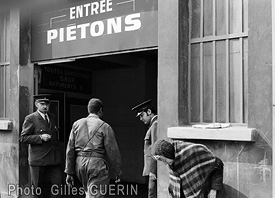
(121, 81)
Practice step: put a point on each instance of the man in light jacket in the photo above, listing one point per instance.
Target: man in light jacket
(148, 115)
(91, 139)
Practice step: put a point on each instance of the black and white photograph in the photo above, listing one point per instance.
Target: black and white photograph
(137, 98)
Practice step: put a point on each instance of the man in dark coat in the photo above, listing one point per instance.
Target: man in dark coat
(40, 131)
(91, 140)
(194, 171)
(148, 115)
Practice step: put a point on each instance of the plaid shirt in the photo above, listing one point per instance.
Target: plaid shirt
(193, 164)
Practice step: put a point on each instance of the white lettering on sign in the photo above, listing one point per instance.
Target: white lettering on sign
(131, 22)
(114, 24)
(90, 9)
(97, 28)
(71, 33)
(83, 28)
(51, 35)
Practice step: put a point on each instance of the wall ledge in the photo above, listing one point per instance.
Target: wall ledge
(233, 133)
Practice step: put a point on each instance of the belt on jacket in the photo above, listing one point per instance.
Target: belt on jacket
(90, 154)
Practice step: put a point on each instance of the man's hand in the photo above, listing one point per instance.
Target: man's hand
(152, 176)
(117, 179)
(212, 194)
(70, 180)
(45, 137)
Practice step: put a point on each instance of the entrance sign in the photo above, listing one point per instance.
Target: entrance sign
(70, 28)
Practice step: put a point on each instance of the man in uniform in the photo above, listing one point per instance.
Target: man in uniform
(91, 139)
(148, 115)
(40, 131)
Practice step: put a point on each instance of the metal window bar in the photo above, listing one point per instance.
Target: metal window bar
(241, 64)
(214, 61)
(214, 81)
(189, 64)
(201, 82)
(241, 82)
(227, 106)
(201, 60)
(227, 23)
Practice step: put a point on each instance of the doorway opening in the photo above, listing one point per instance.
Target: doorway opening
(121, 81)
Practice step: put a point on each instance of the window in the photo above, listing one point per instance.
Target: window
(4, 58)
(218, 61)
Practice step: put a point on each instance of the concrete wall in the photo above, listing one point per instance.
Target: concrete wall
(247, 170)
(172, 73)
(248, 166)
(14, 168)
(25, 93)
(9, 150)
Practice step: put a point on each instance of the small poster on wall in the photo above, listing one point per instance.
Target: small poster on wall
(66, 79)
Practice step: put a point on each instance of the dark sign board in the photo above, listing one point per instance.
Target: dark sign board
(66, 79)
(69, 28)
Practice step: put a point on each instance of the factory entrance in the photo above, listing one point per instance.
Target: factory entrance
(105, 49)
(121, 81)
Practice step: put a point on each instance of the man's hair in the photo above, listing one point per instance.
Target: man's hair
(164, 148)
(153, 110)
(94, 105)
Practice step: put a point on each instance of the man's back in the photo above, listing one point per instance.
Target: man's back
(93, 137)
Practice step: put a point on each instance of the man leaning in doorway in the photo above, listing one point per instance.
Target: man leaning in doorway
(148, 115)
(40, 131)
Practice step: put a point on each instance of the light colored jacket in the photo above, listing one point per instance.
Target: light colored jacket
(150, 165)
(102, 143)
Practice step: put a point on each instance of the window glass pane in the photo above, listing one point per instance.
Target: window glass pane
(235, 81)
(195, 83)
(207, 82)
(228, 97)
(235, 19)
(196, 14)
(2, 91)
(221, 81)
(245, 15)
(2, 34)
(4, 37)
(245, 78)
(208, 18)
(220, 18)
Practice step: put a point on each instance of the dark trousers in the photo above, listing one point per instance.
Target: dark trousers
(43, 175)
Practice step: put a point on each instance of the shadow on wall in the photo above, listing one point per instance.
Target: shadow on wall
(233, 193)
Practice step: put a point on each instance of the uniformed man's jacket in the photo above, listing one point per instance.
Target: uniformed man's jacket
(41, 153)
(150, 165)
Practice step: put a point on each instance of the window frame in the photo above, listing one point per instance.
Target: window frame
(213, 39)
(4, 63)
